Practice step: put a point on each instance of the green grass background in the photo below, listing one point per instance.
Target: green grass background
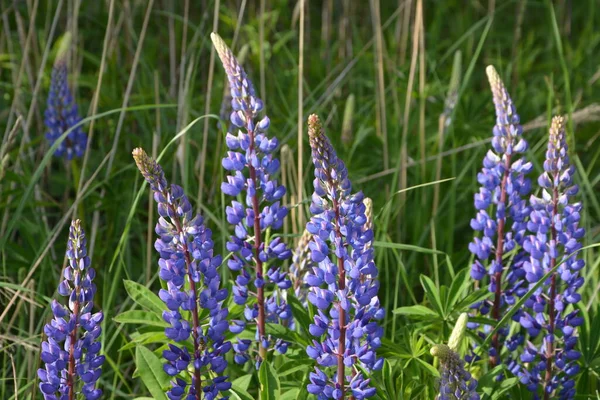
(144, 71)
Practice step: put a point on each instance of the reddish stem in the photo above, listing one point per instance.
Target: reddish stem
(551, 310)
(341, 312)
(499, 253)
(194, 310)
(260, 291)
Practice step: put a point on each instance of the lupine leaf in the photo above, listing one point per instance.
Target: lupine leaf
(461, 280)
(144, 297)
(269, 382)
(243, 382)
(140, 317)
(144, 338)
(299, 311)
(281, 332)
(433, 294)
(150, 370)
(417, 311)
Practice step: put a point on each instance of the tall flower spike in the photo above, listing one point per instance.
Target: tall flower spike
(501, 214)
(456, 383)
(187, 261)
(70, 354)
(62, 114)
(343, 283)
(252, 166)
(555, 239)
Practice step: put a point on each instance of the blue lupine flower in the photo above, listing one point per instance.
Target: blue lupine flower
(61, 114)
(343, 283)
(555, 239)
(456, 383)
(186, 260)
(70, 354)
(502, 212)
(256, 210)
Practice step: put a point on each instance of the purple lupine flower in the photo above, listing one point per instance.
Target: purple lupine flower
(343, 283)
(186, 260)
(255, 212)
(502, 212)
(555, 239)
(456, 382)
(70, 354)
(61, 114)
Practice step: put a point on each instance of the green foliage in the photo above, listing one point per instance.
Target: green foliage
(421, 245)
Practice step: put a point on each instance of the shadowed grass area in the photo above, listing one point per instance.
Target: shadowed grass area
(401, 89)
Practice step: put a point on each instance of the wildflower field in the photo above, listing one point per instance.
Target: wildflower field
(336, 199)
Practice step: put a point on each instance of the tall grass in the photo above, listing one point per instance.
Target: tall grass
(144, 70)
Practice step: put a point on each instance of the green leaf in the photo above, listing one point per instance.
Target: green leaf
(291, 394)
(459, 283)
(140, 317)
(269, 382)
(239, 393)
(471, 298)
(243, 382)
(300, 312)
(505, 385)
(138, 339)
(150, 369)
(428, 367)
(144, 297)
(293, 366)
(416, 311)
(433, 294)
(281, 332)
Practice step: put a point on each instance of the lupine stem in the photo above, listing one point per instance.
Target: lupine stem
(194, 310)
(551, 313)
(499, 253)
(73, 337)
(341, 311)
(260, 291)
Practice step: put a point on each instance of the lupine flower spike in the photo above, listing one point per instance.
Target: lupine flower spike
(503, 187)
(187, 261)
(556, 238)
(255, 211)
(301, 264)
(61, 111)
(342, 283)
(70, 353)
(456, 383)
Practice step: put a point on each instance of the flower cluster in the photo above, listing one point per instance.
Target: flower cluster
(342, 283)
(255, 212)
(61, 115)
(503, 187)
(555, 240)
(70, 354)
(187, 261)
(456, 383)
